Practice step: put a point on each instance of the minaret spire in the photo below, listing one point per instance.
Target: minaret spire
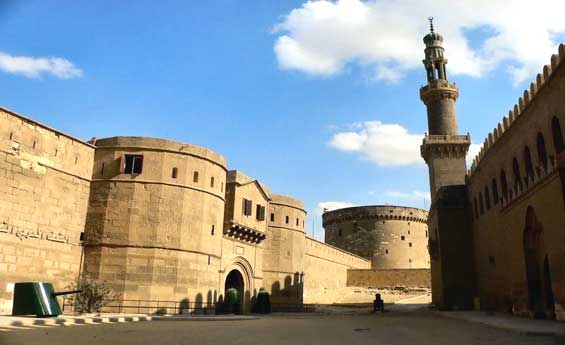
(431, 19)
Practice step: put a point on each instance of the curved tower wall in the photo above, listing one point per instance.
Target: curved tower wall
(150, 234)
(392, 237)
(284, 246)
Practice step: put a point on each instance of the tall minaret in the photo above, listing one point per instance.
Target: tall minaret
(443, 149)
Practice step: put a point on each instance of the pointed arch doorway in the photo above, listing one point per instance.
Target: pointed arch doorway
(538, 274)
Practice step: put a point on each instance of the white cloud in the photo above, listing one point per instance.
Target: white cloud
(414, 195)
(474, 150)
(384, 144)
(323, 37)
(32, 67)
(332, 205)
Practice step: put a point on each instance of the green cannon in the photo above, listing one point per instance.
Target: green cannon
(38, 299)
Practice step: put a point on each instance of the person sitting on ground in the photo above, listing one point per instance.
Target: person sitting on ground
(378, 303)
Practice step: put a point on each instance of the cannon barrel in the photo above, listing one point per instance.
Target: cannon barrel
(62, 293)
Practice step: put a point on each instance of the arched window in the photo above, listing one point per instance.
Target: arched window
(487, 198)
(494, 191)
(528, 163)
(542, 152)
(516, 173)
(504, 184)
(557, 135)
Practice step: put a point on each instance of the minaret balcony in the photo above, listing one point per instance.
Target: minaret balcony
(438, 89)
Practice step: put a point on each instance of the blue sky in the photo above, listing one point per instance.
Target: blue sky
(220, 74)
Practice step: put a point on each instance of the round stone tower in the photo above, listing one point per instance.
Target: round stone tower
(284, 247)
(154, 224)
(392, 237)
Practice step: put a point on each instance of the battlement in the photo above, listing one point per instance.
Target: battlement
(520, 108)
(380, 212)
(438, 88)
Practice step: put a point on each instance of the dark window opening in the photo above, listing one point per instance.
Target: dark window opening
(211, 182)
(175, 173)
(494, 191)
(516, 173)
(504, 183)
(209, 259)
(528, 165)
(402, 238)
(11, 135)
(222, 187)
(260, 214)
(410, 244)
(195, 177)
(386, 251)
(557, 135)
(247, 205)
(287, 220)
(133, 164)
(102, 169)
(339, 232)
(34, 145)
(542, 152)
(426, 233)
(297, 221)
(491, 260)
(213, 230)
(408, 232)
(272, 217)
(487, 197)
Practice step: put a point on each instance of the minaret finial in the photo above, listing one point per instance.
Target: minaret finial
(431, 19)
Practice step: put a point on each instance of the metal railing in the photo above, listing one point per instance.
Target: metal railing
(151, 307)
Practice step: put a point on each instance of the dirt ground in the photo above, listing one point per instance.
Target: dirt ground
(395, 327)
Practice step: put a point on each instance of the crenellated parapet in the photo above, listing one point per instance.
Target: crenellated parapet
(378, 212)
(520, 108)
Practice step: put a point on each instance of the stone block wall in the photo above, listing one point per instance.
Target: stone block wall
(44, 186)
(325, 270)
(373, 278)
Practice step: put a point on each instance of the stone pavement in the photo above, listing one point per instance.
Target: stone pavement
(509, 322)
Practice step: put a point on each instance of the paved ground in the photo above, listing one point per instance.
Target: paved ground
(396, 327)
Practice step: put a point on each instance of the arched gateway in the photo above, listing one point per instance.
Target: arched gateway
(239, 275)
(540, 292)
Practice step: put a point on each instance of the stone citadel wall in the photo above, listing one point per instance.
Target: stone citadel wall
(516, 192)
(44, 187)
(326, 270)
(150, 233)
(389, 278)
(389, 236)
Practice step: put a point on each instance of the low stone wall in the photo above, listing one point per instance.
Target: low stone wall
(393, 277)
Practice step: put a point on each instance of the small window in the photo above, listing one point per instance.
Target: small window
(209, 259)
(287, 220)
(213, 230)
(175, 173)
(339, 232)
(260, 212)
(426, 233)
(408, 232)
(195, 177)
(410, 244)
(297, 221)
(133, 164)
(247, 205)
(386, 251)
(272, 217)
(303, 224)
(491, 260)
(487, 197)
(494, 191)
(402, 238)
(410, 260)
(222, 187)
(102, 169)
(33, 145)
(211, 182)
